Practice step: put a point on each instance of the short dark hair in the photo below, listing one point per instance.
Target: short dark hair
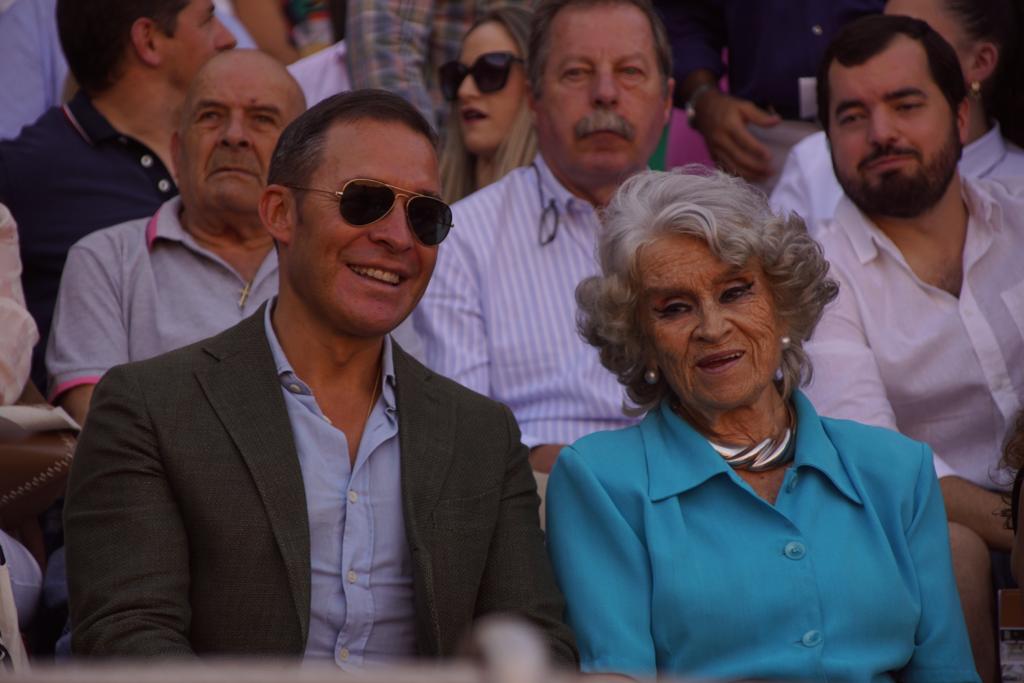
(540, 34)
(95, 33)
(300, 147)
(864, 38)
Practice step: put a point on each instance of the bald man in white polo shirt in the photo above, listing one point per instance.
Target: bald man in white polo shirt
(204, 261)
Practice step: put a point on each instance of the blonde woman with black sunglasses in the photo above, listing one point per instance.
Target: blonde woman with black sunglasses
(489, 130)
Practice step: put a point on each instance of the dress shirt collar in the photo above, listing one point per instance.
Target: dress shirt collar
(867, 239)
(551, 188)
(87, 120)
(983, 209)
(984, 154)
(666, 436)
(288, 376)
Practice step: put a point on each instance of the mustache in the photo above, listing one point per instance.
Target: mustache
(604, 120)
(888, 151)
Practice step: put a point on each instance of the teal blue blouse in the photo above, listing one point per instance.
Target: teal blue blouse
(670, 562)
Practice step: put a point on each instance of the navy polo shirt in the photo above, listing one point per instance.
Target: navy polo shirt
(63, 177)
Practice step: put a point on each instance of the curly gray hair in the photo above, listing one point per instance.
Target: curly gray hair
(736, 223)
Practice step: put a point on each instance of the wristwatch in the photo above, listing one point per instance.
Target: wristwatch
(691, 104)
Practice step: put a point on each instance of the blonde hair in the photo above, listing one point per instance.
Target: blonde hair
(519, 146)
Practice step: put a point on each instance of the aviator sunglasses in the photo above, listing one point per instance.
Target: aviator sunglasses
(362, 201)
(489, 72)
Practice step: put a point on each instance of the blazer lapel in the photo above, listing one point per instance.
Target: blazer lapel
(244, 391)
(425, 431)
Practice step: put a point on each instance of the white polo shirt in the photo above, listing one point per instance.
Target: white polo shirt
(139, 289)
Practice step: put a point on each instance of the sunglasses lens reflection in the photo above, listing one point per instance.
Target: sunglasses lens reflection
(430, 219)
(362, 203)
(452, 74)
(491, 71)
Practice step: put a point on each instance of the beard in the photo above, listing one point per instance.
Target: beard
(897, 194)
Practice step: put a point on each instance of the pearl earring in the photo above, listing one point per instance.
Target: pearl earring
(651, 376)
(976, 89)
(786, 341)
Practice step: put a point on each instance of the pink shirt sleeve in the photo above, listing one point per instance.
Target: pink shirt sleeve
(18, 332)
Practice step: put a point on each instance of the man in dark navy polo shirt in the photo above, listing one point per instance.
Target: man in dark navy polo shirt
(104, 157)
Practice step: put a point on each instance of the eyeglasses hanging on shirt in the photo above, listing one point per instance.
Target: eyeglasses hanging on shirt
(550, 216)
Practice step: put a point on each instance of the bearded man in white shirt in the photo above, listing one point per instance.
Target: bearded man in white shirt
(927, 335)
(500, 314)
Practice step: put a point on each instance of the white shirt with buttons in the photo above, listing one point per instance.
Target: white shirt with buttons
(895, 352)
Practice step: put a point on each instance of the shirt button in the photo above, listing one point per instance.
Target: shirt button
(811, 639)
(146, 161)
(295, 388)
(817, 30)
(353, 496)
(352, 576)
(164, 185)
(795, 550)
(343, 654)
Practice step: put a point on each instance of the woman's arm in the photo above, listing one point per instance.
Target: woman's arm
(603, 569)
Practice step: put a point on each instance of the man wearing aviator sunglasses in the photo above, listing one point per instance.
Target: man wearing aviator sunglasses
(314, 491)
(363, 201)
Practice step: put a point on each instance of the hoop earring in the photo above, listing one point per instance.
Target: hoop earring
(651, 376)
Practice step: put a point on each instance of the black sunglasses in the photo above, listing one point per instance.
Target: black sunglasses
(489, 72)
(362, 201)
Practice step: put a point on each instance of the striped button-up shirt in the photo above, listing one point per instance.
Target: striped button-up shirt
(398, 45)
(499, 315)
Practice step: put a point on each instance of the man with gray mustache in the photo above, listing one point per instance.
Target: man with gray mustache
(499, 315)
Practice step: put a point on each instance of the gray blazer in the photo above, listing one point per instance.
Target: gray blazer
(186, 524)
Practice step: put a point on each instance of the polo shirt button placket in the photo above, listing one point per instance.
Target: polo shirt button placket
(164, 185)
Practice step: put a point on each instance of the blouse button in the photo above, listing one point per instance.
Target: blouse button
(795, 550)
(811, 639)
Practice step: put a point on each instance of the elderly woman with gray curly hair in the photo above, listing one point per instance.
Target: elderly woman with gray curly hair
(735, 533)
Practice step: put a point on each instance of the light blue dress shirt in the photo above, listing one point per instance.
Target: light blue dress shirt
(361, 599)
(671, 563)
